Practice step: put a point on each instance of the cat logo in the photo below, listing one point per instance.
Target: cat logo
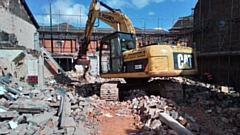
(184, 61)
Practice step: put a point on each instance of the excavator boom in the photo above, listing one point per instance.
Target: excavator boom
(114, 18)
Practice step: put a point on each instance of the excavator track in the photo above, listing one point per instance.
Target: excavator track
(122, 91)
(109, 91)
(174, 91)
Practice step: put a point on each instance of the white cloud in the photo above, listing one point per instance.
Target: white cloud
(143, 3)
(64, 11)
(140, 3)
(151, 13)
(70, 10)
(158, 28)
(117, 3)
(133, 3)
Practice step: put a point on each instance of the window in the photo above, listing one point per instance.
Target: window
(127, 45)
(105, 58)
(115, 48)
(116, 54)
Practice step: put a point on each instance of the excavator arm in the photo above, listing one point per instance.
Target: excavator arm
(114, 18)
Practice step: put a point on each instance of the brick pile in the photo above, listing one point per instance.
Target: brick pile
(74, 108)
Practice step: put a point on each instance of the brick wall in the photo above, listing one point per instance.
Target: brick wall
(68, 47)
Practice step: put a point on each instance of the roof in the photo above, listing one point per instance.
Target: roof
(62, 27)
(29, 13)
(183, 22)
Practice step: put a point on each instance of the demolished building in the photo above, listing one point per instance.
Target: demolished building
(18, 46)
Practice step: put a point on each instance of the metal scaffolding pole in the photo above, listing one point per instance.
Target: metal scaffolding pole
(50, 9)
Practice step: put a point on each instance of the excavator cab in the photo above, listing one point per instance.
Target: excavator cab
(112, 48)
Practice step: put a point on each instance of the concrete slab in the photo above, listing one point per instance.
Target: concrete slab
(9, 114)
(10, 55)
(24, 118)
(41, 119)
(80, 131)
(4, 128)
(70, 131)
(21, 129)
(31, 130)
(28, 105)
(66, 107)
(2, 101)
(13, 133)
(47, 131)
(3, 108)
(67, 122)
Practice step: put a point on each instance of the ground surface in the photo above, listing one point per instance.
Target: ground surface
(203, 119)
(116, 125)
(200, 100)
(124, 125)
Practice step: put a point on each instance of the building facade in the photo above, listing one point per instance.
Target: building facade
(216, 36)
(17, 23)
(62, 41)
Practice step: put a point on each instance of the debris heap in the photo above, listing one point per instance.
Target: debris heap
(74, 108)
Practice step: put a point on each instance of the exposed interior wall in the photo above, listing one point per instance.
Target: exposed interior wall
(11, 61)
(23, 30)
(17, 8)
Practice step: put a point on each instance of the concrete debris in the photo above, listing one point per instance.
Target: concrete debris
(13, 124)
(9, 114)
(13, 90)
(174, 124)
(67, 107)
(28, 105)
(68, 122)
(41, 119)
(2, 90)
(7, 78)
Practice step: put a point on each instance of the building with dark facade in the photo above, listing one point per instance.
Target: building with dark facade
(182, 30)
(216, 36)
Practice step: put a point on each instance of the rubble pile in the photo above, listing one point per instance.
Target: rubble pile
(218, 106)
(67, 106)
(27, 110)
(156, 115)
(61, 110)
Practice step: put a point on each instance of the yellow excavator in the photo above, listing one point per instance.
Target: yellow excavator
(120, 56)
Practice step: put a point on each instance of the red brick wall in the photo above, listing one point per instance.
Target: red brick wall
(68, 47)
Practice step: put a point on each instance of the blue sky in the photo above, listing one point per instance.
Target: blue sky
(148, 14)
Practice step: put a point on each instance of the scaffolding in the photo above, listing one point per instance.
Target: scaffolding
(217, 37)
